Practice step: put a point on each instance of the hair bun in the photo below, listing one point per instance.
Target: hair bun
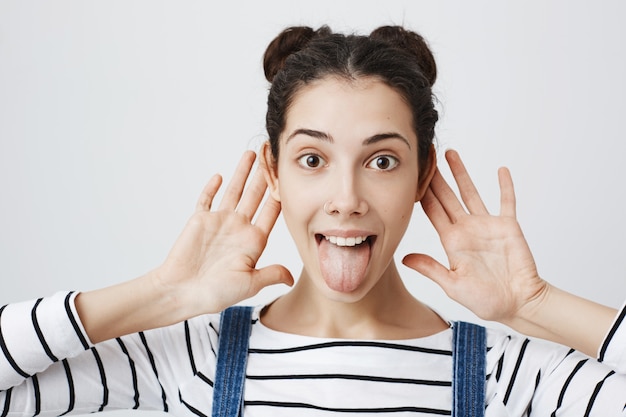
(411, 42)
(289, 41)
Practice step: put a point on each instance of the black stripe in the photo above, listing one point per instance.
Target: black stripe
(205, 378)
(501, 363)
(353, 377)
(68, 309)
(103, 379)
(352, 344)
(133, 372)
(70, 385)
(37, 395)
(595, 393)
(42, 340)
(189, 350)
(530, 405)
(189, 407)
(350, 410)
(567, 382)
(5, 350)
(609, 337)
(499, 368)
(7, 402)
(217, 332)
(515, 371)
(537, 379)
(154, 369)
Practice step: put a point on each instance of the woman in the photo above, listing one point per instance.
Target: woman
(350, 122)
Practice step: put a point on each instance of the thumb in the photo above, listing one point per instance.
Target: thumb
(428, 267)
(271, 275)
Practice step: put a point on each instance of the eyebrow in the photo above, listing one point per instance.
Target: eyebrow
(316, 134)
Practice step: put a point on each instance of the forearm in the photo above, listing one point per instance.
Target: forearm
(132, 306)
(567, 319)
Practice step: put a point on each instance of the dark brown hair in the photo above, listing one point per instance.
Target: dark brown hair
(398, 57)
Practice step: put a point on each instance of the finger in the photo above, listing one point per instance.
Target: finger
(253, 195)
(446, 197)
(208, 193)
(468, 191)
(235, 187)
(435, 211)
(507, 193)
(430, 268)
(271, 275)
(268, 215)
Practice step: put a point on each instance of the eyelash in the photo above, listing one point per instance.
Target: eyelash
(304, 160)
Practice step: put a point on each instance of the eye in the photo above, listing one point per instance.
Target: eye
(311, 161)
(383, 163)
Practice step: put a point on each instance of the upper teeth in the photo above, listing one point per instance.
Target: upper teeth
(346, 241)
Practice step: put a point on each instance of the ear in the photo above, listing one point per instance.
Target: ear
(270, 170)
(426, 174)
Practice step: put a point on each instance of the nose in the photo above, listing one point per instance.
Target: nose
(346, 197)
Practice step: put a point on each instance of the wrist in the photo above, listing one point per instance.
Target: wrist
(565, 318)
(530, 313)
(172, 299)
(129, 307)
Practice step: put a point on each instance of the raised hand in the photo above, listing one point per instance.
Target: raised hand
(211, 266)
(213, 263)
(491, 269)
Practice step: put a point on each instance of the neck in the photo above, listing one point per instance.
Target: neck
(386, 311)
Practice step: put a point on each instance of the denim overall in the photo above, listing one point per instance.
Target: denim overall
(468, 357)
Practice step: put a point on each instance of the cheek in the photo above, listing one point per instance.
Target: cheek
(400, 212)
(398, 204)
(299, 203)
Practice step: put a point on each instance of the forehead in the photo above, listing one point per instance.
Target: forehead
(349, 108)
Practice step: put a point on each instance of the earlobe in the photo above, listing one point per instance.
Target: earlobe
(426, 174)
(270, 170)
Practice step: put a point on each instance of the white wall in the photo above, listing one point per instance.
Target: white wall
(114, 114)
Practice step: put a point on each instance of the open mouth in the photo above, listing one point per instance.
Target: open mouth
(344, 260)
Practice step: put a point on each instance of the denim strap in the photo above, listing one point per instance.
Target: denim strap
(468, 357)
(230, 373)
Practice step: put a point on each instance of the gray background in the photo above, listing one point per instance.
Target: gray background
(114, 114)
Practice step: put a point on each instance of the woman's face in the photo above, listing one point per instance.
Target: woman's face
(347, 180)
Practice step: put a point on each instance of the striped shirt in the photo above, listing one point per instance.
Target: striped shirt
(48, 366)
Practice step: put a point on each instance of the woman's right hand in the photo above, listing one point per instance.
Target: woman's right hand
(213, 263)
(211, 266)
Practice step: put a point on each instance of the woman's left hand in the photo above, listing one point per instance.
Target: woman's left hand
(491, 269)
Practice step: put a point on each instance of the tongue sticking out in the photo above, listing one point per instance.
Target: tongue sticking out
(343, 267)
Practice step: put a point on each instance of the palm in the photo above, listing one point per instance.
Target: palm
(491, 269)
(214, 259)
